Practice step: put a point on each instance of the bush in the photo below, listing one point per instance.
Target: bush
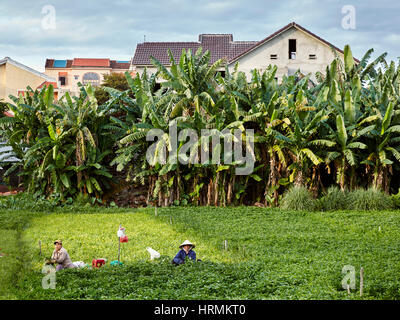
(298, 198)
(335, 199)
(371, 199)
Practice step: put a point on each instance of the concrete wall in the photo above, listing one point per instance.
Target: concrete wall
(14, 79)
(150, 70)
(260, 58)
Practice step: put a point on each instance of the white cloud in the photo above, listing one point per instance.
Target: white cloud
(98, 28)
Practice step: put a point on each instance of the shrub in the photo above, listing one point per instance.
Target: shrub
(335, 199)
(298, 198)
(371, 199)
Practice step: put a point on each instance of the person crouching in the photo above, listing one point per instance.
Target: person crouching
(186, 251)
(61, 257)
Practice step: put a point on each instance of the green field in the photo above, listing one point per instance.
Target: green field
(270, 254)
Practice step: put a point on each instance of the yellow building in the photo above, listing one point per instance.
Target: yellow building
(15, 77)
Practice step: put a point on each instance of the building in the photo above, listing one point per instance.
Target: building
(82, 70)
(15, 77)
(291, 48)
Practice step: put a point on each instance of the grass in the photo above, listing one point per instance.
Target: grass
(271, 254)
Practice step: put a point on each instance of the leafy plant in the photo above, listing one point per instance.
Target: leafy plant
(334, 199)
(371, 199)
(298, 198)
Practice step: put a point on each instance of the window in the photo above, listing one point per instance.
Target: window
(62, 81)
(157, 86)
(92, 78)
(274, 56)
(76, 77)
(312, 56)
(292, 49)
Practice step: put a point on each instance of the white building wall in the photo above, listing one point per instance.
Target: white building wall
(260, 57)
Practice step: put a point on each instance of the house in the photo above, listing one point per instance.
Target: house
(15, 77)
(82, 70)
(291, 48)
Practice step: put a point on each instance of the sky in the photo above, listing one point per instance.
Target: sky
(31, 31)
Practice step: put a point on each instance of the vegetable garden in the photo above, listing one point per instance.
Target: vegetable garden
(270, 253)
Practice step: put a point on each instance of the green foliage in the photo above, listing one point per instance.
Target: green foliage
(371, 199)
(298, 198)
(113, 80)
(63, 147)
(334, 199)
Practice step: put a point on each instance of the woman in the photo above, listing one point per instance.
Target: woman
(186, 251)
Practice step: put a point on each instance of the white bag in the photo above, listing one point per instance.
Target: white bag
(79, 264)
(121, 232)
(153, 253)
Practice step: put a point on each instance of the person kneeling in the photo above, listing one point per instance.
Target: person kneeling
(186, 251)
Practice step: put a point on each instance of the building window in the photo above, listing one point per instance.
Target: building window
(76, 77)
(274, 56)
(92, 78)
(292, 49)
(62, 80)
(312, 56)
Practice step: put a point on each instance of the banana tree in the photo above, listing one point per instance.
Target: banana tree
(345, 153)
(383, 149)
(302, 138)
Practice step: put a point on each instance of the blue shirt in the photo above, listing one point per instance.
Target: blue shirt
(181, 255)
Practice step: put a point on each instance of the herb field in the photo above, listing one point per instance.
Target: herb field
(269, 254)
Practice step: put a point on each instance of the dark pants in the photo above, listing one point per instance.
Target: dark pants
(177, 264)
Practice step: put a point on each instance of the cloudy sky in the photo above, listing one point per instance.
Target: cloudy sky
(112, 29)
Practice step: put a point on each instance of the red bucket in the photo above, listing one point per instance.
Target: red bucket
(97, 263)
(123, 239)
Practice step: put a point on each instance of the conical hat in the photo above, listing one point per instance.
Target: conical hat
(187, 243)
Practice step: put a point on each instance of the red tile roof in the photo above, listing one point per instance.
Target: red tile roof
(219, 45)
(84, 62)
(46, 83)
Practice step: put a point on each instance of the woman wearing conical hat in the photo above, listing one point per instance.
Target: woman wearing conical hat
(186, 251)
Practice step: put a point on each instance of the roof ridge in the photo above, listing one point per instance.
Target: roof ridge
(168, 42)
(26, 68)
(216, 34)
(273, 35)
